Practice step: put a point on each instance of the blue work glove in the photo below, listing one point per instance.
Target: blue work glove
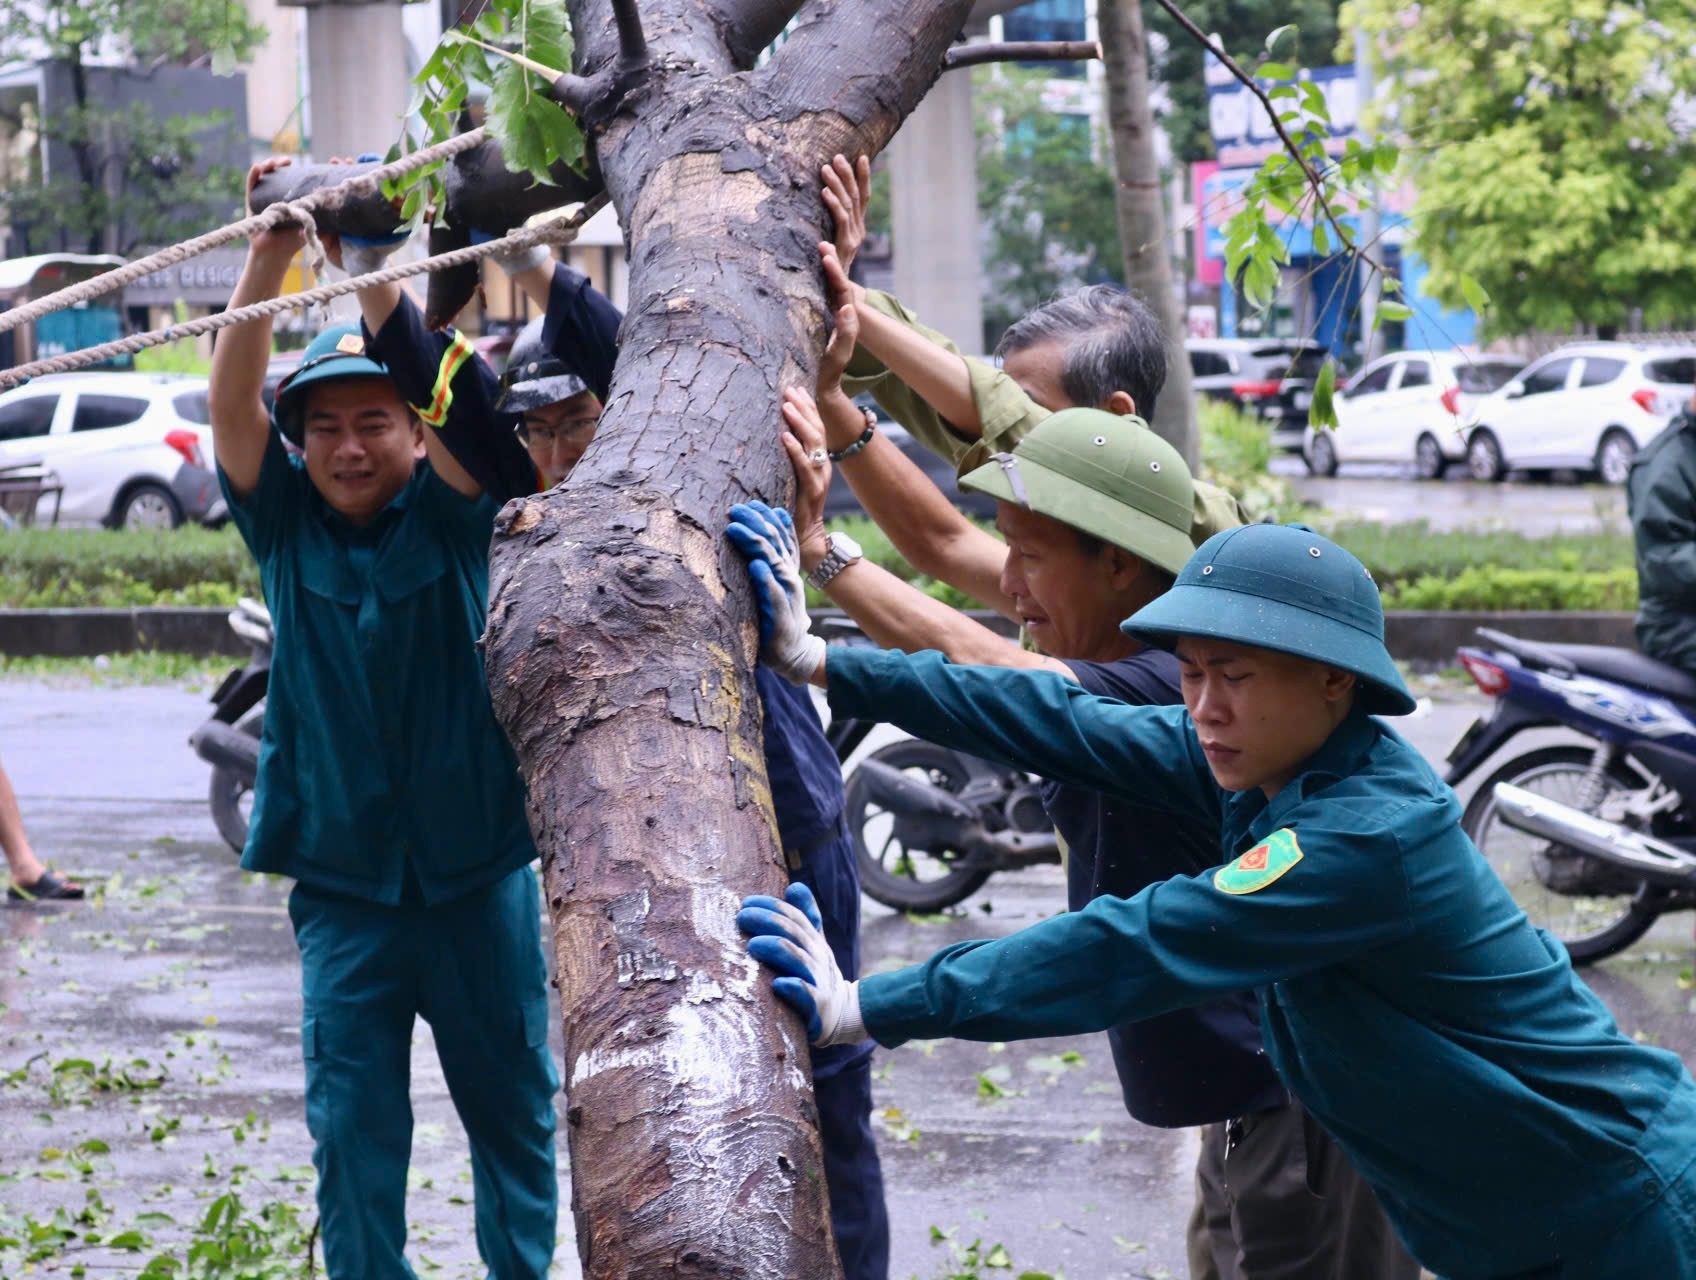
(789, 936)
(766, 539)
(517, 261)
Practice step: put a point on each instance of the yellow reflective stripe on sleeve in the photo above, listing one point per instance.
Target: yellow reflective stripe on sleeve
(441, 396)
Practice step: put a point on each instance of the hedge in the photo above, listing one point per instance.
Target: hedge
(84, 568)
(1416, 567)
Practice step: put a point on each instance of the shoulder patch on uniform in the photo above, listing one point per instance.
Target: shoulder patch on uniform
(1261, 865)
(351, 344)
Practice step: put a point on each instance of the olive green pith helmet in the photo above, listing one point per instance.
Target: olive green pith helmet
(1107, 475)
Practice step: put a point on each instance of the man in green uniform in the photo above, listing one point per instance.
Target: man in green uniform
(1508, 1126)
(1661, 494)
(387, 790)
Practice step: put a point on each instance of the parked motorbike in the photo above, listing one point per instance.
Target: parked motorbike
(229, 740)
(1596, 842)
(930, 824)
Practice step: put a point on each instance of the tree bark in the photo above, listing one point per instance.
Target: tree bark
(621, 632)
(1142, 215)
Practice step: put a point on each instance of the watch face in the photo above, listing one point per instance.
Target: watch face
(844, 547)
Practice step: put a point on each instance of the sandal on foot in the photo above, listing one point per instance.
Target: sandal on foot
(50, 886)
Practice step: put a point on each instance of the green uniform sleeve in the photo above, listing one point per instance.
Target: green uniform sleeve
(265, 516)
(1179, 942)
(1035, 720)
(1663, 514)
(1004, 409)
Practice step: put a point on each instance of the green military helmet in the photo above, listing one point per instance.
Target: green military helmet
(338, 352)
(1282, 587)
(1108, 475)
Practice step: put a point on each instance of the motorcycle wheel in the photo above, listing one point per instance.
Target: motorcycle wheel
(1591, 926)
(908, 879)
(230, 798)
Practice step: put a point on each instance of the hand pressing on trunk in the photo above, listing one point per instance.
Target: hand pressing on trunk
(788, 936)
(848, 195)
(766, 539)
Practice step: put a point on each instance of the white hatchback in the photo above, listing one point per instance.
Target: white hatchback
(1585, 407)
(132, 450)
(1408, 406)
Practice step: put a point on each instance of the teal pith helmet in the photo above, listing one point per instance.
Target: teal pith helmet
(338, 352)
(1282, 587)
(1107, 475)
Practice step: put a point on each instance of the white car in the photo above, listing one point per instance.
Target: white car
(132, 450)
(1586, 407)
(1408, 406)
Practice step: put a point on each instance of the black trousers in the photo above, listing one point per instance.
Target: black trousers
(1276, 1199)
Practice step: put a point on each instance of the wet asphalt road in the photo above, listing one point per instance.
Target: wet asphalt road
(184, 963)
(1535, 508)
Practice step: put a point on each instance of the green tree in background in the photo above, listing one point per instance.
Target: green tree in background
(1045, 193)
(1242, 26)
(135, 177)
(1552, 144)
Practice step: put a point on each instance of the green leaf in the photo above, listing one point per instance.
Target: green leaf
(1277, 34)
(225, 60)
(1323, 411)
(1275, 71)
(1474, 293)
(1391, 311)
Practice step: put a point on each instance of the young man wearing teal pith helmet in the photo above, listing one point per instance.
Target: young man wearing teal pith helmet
(387, 791)
(1509, 1128)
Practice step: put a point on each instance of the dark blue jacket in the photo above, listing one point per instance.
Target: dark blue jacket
(455, 391)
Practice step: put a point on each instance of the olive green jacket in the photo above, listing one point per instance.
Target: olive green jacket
(1004, 409)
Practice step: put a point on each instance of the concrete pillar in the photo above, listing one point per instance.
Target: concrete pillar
(933, 190)
(357, 83)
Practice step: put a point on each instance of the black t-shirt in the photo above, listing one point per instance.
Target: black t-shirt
(1191, 1066)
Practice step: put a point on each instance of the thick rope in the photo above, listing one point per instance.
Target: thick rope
(296, 211)
(553, 231)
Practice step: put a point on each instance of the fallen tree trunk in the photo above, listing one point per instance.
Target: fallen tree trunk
(621, 631)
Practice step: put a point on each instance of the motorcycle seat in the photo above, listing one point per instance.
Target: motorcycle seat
(1629, 667)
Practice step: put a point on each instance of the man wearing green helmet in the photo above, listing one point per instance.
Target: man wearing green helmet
(387, 790)
(1508, 1125)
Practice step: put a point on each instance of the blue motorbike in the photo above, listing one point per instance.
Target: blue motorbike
(1595, 840)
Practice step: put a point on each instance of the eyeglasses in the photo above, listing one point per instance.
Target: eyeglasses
(544, 436)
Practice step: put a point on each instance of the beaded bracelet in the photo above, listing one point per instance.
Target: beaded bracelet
(837, 455)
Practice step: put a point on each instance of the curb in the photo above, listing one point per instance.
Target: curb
(1426, 638)
(83, 633)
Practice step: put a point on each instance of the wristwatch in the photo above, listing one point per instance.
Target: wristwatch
(843, 552)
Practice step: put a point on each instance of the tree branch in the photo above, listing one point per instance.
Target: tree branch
(971, 55)
(595, 99)
(1253, 86)
(868, 46)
